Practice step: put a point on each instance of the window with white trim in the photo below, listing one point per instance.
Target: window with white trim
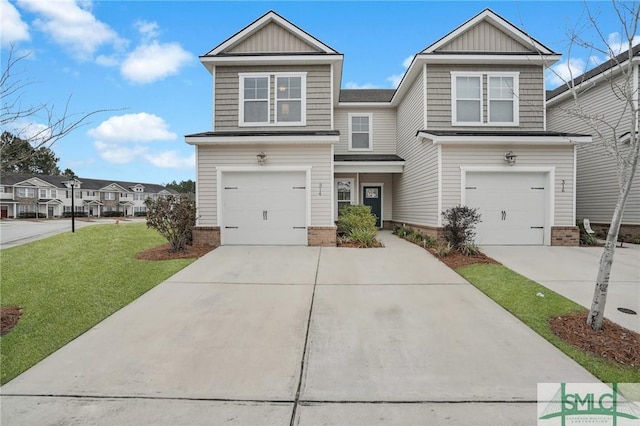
(110, 196)
(26, 193)
(43, 193)
(360, 132)
(344, 193)
(255, 100)
(289, 99)
(468, 93)
(54, 193)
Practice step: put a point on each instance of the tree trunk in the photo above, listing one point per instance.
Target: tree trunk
(596, 314)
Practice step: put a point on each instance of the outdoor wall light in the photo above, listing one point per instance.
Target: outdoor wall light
(510, 158)
(262, 158)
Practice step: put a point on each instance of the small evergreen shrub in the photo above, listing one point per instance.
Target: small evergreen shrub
(31, 215)
(443, 250)
(364, 237)
(76, 214)
(356, 217)
(460, 225)
(173, 217)
(112, 214)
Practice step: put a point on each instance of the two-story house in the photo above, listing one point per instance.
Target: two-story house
(51, 196)
(466, 125)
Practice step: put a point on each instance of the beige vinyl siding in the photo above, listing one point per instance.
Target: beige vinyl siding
(560, 157)
(415, 191)
(384, 129)
(484, 37)
(597, 181)
(386, 179)
(316, 156)
(227, 84)
(531, 89)
(272, 38)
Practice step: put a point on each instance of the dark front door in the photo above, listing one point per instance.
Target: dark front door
(372, 196)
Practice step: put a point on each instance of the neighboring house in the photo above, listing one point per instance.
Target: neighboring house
(50, 196)
(598, 187)
(466, 125)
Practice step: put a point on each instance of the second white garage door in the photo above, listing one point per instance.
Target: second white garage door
(512, 206)
(264, 208)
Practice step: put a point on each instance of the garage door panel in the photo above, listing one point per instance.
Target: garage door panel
(512, 207)
(264, 208)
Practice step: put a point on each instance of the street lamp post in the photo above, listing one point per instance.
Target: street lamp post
(72, 184)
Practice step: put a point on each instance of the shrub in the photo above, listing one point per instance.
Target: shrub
(31, 215)
(173, 217)
(460, 227)
(138, 214)
(112, 214)
(586, 239)
(469, 249)
(76, 214)
(443, 250)
(356, 217)
(364, 237)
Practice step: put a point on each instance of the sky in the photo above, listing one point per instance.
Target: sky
(138, 60)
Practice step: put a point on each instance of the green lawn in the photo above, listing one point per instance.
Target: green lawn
(517, 295)
(69, 282)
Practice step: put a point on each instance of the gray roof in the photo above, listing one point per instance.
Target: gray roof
(92, 184)
(227, 133)
(611, 63)
(525, 133)
(367, 157)
(366, 95)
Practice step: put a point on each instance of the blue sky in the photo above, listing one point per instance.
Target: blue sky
(140, 59)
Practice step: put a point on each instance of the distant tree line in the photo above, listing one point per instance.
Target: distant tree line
(183, 187)
(20, 156)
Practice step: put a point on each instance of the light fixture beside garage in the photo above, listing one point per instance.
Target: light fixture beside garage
(262, 158)
(510, 158)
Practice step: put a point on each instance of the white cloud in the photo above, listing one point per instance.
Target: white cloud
(395, 79)
(36, 133)
(148, 30)
(565, 71)
(72, 25)
(118, 154)
(108, 60)
(154, 61)
(407, 61)
(141, 127)
(171, 160)
(12, 28)
(616, 45)
(354, 85)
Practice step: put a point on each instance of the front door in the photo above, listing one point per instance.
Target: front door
(50, 211)
(372, 196)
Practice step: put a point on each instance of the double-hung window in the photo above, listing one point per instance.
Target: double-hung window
(289, 99)
(469, 91)
(43, 193)
(360, 132)
(254, 107)
(344, 193)
(110, 196)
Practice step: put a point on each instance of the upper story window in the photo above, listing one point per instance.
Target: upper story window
(26, 192)
(360, 132)
(288, 97)
(54, 193)
(468, 94)
(43, 193)
(8, 189)
(110, 196)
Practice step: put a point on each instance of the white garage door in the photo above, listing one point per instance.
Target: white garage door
(264, 208)
(512, 206)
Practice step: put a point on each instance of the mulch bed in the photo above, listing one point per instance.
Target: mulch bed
(9, 316)
(612, 342)
(456, 259)
(353, 244)
(163, 253)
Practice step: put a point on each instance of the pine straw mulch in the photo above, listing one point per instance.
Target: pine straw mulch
(353, 244)
(163, 252)
(613, 342)
(9, 316)
(456, 259)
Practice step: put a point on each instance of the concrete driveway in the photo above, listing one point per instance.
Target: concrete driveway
(572, 271)
(298, 335)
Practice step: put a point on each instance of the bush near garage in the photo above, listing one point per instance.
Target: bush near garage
(459, 230)
(358, 224)
(174, 218)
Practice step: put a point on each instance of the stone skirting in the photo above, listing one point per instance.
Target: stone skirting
(565, 236)
(322, 236)
(627, 231)
(206, 236)
(434, 232)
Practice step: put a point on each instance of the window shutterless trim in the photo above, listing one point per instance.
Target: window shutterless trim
(515, 99)
(350, 117)
(242, 100)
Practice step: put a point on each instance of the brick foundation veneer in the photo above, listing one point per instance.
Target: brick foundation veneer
(206, 236)
(565, 236)
(434, 232)
(322, 236)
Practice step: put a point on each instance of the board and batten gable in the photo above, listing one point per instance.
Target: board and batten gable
(272, 38)
(318, 157)
(384, 129)
(484, 37)
(227, 95)
(454, 157)
(597, 181)
(415, 190)
(531, 95)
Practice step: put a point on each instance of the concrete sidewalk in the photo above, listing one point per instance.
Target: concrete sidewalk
(572, 271)
(270, 335)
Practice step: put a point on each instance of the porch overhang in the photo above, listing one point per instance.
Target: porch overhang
(472, 137)
(368, 163)
(92, 203)
(50, 201)
(126, 203)
(303, 137)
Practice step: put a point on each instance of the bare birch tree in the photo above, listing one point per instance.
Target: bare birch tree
(615, 131)
(42, 125)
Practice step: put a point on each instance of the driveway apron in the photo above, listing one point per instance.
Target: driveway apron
(298, 335)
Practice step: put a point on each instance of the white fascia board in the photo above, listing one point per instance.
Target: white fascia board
(534, 59)
(261, 22)
(504, 140)
(368, 166)
(252, 140)
(36, 182)
(209, 61)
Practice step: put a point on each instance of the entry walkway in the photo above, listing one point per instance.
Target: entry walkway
(298, 335)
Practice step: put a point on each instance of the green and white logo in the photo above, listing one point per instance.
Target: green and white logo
(588, 404)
